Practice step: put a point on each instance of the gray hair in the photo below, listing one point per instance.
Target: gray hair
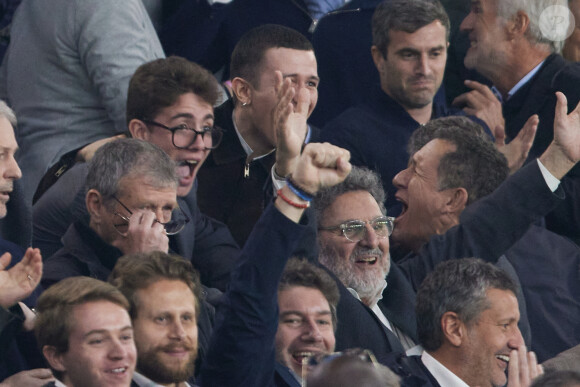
(129, 157)
(475, 165)
(359, 179)
(7, 113)
(407, 16)
(507, 9)
(458, 286)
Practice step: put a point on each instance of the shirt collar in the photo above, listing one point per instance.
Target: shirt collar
(443, 376)
(249, 150)
(143, 381)
(518, 85)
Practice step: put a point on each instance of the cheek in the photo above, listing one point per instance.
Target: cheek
(313, 100)
(329, 340)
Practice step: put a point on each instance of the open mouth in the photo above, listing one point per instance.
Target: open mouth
(186, 169)
(503, 358)
(117, 371)
(367, 260)
(404, 208)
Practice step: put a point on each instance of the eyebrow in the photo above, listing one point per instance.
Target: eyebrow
(295, 75)
(105, 331)
(289, 312)
(8, 149)
(189, 115)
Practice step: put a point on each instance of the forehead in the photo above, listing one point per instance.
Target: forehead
(503, 305)
(303, 300)
(289, 61)
(7, 139)
(352, 205)
(139, 188)
(487, 6)
(188, 105)
(428, 37)
(98, 316)
(166, 296)
(431, 153)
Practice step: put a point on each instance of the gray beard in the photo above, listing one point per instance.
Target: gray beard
(369, 284)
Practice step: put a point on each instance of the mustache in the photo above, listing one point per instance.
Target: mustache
(422, 78)
(7, 187)
(177, 347)
(359, 252)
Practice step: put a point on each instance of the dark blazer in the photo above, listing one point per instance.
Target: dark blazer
(242, 351)
(205, 242)
(537, 97)
(548, 266)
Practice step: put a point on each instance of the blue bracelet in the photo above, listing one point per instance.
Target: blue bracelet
(297, 190)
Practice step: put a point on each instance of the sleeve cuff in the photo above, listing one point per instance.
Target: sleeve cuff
(552, 182)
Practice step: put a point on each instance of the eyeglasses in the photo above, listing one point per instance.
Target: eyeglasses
(183, 136)
(355, 230)
(364, 355)
(178, 220)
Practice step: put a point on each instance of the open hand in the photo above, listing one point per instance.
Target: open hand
(19, 281)
(516, 152)
(481, 103)
(290, 124)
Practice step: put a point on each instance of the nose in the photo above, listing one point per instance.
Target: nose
(370, 238)
(423, 64)
(401, 179)
(118, 349)
(177, 331)
(466, 24)
(516, 340)
(12, 170)
(311, 332)
(198, 143)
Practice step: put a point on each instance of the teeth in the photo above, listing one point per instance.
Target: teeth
(368, 259)
(118, 370)
(503, 357)
(192, 162)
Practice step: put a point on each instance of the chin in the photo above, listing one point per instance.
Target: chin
(184, 190)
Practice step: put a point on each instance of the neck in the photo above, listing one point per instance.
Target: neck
(250, 133)
(449, 359)
(421, 115)
(505, 77)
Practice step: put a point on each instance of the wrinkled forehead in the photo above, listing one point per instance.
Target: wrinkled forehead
(7, 138)
(352, 205)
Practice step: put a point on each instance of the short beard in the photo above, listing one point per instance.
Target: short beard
(153, 368)
(368, 283)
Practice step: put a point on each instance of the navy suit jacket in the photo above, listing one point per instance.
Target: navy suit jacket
(241, 351)
(538, 97)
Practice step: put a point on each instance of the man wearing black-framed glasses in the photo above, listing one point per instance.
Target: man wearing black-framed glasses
(169, 104)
